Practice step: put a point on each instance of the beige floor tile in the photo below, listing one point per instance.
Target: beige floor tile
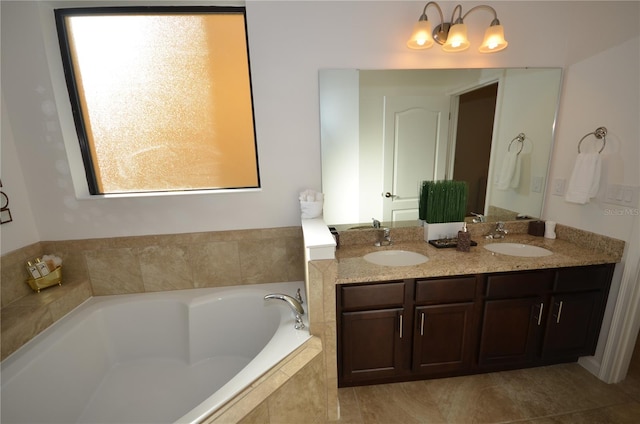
(559, 389)
(403, 403)
(625, 413)
(474, 399)
(349, 408)
(565, 393)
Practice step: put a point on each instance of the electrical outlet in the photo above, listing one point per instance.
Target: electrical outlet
(558, 187)
(536, 184)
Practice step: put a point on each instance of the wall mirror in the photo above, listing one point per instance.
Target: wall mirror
(383, 132)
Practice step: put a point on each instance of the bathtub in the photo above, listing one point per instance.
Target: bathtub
(163, 357)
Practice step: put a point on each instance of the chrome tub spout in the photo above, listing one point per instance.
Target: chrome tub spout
(293, 303)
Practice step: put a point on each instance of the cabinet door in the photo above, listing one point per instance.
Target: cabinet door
(510, 331)
(442, 338)
(573, 325)
(371, 343)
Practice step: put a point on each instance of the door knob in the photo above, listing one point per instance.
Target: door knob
(387, 194)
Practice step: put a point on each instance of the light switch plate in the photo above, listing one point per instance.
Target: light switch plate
(558, 187)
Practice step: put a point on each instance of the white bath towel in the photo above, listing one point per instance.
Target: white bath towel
(510, 172)
(585, 178)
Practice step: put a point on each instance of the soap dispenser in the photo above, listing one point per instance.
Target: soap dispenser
(464, 240)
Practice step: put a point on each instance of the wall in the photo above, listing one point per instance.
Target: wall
(285, 82)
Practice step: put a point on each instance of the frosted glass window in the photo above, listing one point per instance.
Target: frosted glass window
(161, 97)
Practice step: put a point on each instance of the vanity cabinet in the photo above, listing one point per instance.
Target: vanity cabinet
(393, 331)
(443, 331)
(547, 316)
(435, 327)
(373, 331)
(576, 309)
(512, 320)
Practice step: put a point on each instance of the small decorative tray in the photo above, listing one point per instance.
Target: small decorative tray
(447, 242)
(51, 279)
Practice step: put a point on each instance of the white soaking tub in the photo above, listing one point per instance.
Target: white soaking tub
(150, 358)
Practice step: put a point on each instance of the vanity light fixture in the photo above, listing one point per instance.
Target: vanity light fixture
(453, 35)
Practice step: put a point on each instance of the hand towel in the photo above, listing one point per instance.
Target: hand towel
(515, 178)
(585, 178)
(507, 171)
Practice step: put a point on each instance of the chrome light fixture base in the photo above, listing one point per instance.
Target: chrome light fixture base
(441, 32)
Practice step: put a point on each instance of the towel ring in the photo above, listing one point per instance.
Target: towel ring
(519, 138)
(600, 133)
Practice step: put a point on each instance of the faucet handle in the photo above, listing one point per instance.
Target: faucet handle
(376, 223)
(479, 217)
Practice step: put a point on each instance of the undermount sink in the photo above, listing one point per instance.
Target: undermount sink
(518, 249)
(395, 258)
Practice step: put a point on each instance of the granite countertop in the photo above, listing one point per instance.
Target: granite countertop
(448, 261)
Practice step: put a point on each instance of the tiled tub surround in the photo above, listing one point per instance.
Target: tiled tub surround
(142, 264)
(174, 262)
(572, 247)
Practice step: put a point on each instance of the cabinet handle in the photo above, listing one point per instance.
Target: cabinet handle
(559, 313)
(400, 325)
(422, 323)
(540, 313)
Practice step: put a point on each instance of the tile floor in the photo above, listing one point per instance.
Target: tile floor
(564, 393)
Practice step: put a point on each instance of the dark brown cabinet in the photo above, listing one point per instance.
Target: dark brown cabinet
(443, 331)
(576, 310)
(532, 318)
(426, 328)
(513, 318)
(395, 330)
(372, 336)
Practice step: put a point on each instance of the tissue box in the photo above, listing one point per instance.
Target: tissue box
(311, 209)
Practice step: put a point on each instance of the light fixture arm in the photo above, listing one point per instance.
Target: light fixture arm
(424, 11)
(460, 17)
(495, 20)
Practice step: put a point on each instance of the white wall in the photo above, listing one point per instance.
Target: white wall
(290, 41)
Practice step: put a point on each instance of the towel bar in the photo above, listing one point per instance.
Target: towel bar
(600, 133)
(519, 138)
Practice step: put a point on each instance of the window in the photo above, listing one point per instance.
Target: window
(161, 97)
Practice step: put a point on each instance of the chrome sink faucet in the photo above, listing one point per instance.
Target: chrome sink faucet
(293, 303)
(478, 217)
(499, 232)
(385, 238)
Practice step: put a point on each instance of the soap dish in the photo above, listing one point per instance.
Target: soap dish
(447, 242)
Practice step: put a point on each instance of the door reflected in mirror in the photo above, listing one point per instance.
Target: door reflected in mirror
(383, 132)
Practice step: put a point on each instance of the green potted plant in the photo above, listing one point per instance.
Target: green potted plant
(442, 208)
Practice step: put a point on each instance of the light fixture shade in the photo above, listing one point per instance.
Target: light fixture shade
(457, 40)
(493, 40)
(421, 36)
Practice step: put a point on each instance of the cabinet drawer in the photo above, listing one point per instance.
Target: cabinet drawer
(371, 296)
(519, 284)
(583, 278)
(446, 290)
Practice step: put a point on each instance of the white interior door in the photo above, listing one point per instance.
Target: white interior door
(415, 149)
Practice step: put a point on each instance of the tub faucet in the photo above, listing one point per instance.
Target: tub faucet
(499, 232)
(293, 303)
